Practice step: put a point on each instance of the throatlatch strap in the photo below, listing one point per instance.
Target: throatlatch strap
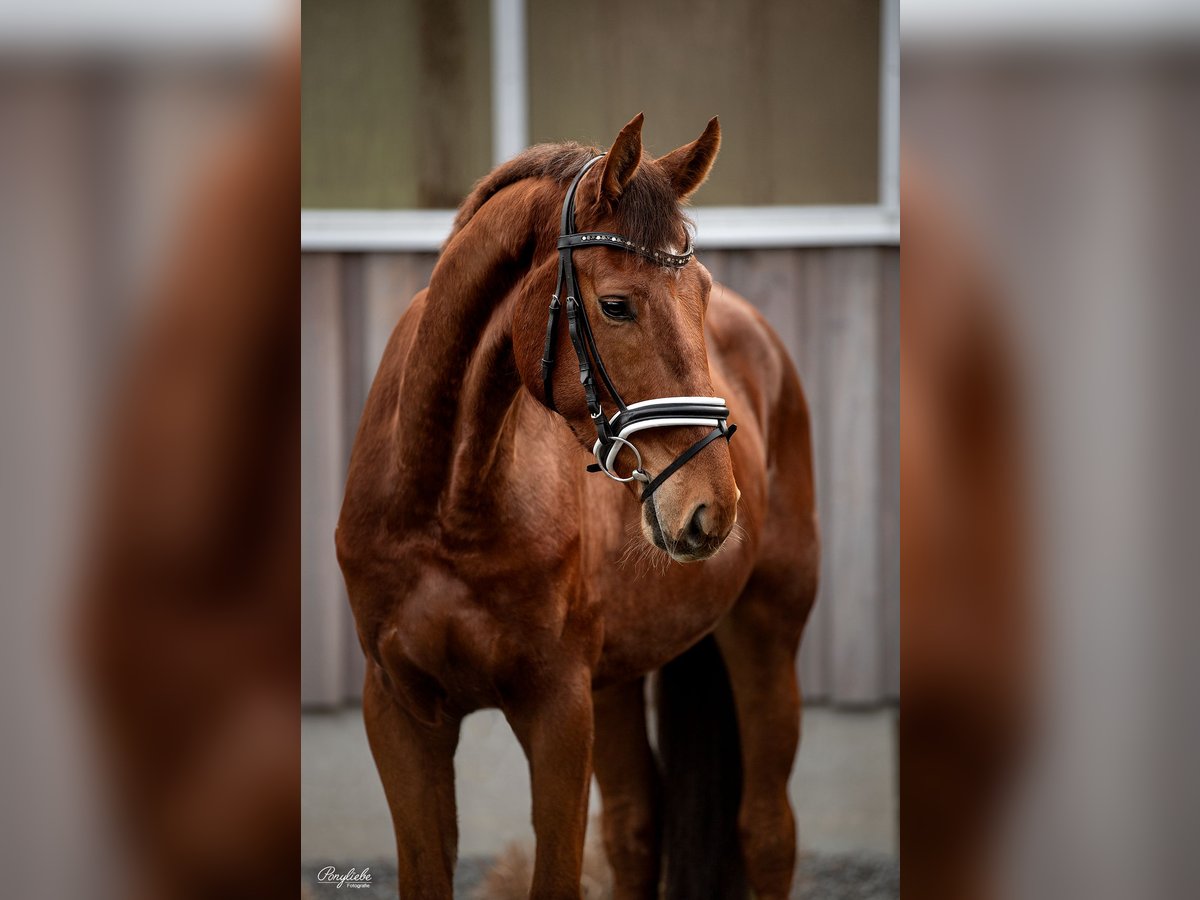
(551, 328)
(548, 354)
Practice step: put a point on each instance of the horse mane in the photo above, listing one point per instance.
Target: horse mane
(648, 210)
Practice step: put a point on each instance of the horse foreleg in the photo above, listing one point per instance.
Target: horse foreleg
(629, 787)
(555, 729)
(416, 765)
(761, 659)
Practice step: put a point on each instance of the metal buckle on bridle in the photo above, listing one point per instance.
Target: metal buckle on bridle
(638, 473)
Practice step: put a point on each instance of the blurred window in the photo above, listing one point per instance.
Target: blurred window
(397, 104)
(397, 108)
(796, 85)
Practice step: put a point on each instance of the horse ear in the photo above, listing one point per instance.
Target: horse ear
(688, 166)
(622, 160)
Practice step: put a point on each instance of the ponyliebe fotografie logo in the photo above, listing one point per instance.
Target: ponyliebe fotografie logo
(353, 878)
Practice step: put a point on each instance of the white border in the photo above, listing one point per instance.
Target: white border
(889, 106)
(141, 29)
(510, 81)
(717, 227)
(1036, 22)
(374, 229)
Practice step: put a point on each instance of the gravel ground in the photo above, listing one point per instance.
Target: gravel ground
(849, 876)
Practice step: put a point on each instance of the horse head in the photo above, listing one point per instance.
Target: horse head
(646, 324)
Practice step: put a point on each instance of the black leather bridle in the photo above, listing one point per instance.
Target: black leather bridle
(665, 412)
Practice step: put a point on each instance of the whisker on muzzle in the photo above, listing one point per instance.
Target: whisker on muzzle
(639, 554)
(736, 536)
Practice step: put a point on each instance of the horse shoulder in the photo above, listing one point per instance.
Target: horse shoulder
(371, 475)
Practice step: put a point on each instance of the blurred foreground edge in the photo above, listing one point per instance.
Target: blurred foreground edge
(189, 624)
(965, 676)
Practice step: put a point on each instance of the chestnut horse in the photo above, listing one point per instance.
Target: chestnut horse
(487, 568)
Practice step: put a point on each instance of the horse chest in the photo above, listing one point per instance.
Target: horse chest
(652, 618)
(478, 630)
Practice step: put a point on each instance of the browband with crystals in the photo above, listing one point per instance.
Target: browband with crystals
(664, 412)
(607, 238)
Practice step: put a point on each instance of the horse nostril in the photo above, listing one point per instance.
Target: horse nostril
(696, 533)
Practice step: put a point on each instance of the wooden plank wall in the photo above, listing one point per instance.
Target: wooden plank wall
(837, 310)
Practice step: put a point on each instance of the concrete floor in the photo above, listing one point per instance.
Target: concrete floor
(843, 787)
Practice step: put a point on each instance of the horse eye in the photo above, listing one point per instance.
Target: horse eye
(616, 309)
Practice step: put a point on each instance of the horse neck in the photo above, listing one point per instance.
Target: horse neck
(461, 380)
(482, 476)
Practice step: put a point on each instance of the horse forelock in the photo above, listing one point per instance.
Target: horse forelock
(648, 211)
